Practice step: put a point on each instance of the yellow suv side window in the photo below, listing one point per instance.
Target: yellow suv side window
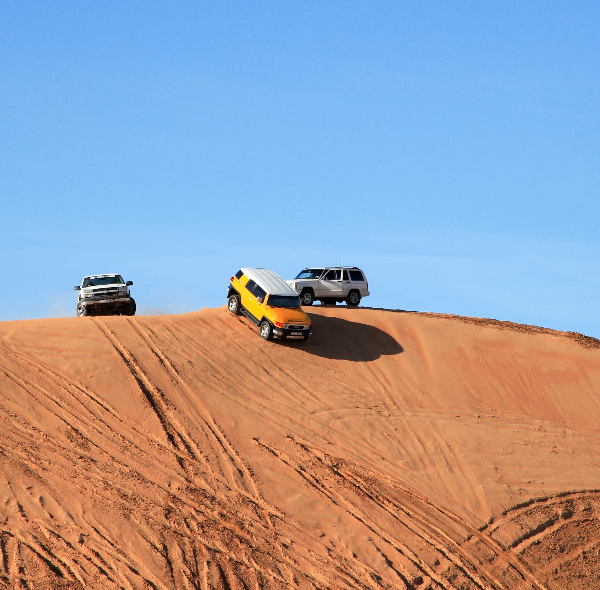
(251, 300)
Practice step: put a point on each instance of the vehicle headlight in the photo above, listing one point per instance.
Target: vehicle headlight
(87, 294)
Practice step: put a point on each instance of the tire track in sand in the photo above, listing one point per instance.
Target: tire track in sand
(175, 433)
(418, 515)
(214, 429)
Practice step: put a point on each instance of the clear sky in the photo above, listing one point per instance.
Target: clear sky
(450, 149)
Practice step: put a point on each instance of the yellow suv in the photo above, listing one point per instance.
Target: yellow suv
(269, 302)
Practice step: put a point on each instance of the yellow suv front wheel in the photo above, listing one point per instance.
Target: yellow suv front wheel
(266, 330)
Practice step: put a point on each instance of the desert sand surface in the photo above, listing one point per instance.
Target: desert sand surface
(392, 450)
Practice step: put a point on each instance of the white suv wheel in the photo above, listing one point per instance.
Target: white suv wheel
(307, 297)
(353, 298)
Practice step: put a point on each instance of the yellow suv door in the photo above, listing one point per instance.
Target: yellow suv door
(250, 299)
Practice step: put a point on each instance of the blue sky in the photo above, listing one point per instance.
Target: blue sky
(451, 149)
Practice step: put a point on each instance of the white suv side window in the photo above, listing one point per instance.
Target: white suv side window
(356, 276)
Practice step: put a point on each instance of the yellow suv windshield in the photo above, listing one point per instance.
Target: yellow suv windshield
(283, 301)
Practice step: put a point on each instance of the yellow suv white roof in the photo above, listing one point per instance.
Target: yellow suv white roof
(270, 281)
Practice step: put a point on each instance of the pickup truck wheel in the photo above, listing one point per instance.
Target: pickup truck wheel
(353, 298)
(305, 337)
(132, 306)
(82, 310)
(266, 331)
(233, 304)
(307, 297)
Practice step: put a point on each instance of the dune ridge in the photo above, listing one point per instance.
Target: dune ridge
(392, 450)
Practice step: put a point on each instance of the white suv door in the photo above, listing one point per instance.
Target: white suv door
(330, 285)
(345, 282)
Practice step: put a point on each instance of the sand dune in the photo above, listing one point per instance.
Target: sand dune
(393, 450)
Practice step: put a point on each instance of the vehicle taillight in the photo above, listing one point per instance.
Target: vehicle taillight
(279, 324)
(231, 279)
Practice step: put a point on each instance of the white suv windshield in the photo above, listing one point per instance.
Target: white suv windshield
(310, 273)
(99, 281)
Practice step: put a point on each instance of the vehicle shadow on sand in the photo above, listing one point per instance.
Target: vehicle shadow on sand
(339, 339)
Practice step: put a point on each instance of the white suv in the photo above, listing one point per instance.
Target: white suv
(331, 285)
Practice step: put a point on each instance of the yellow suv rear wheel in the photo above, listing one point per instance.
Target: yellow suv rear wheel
(233, 304)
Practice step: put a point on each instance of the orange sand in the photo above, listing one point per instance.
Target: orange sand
(392, 450)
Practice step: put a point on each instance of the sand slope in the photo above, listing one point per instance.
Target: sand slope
(393, 450)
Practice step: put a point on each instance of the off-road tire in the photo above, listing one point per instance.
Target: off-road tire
(307, 297)
(233, 304)
(353, 298)
(266, 330)
(132, 306)
(305, 337)
(82, 310)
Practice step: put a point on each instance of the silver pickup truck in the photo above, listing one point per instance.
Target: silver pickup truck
(331, 285)
(105, 295)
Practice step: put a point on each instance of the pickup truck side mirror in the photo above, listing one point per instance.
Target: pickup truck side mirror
(77, 288)
(128, 283)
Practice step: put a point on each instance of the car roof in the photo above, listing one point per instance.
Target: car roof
(110, 274)
(270, 281)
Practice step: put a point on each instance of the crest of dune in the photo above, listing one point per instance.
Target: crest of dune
(392, 450)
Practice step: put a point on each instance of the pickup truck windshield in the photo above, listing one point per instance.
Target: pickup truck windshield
(283, 301)
(99, 281)
(310, 273)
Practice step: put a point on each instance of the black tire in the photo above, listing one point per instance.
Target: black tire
(82, 310)
(307, 297)
(266, 330)
(305, 337)
(353, 298)
(233, 305)
(132, 306)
